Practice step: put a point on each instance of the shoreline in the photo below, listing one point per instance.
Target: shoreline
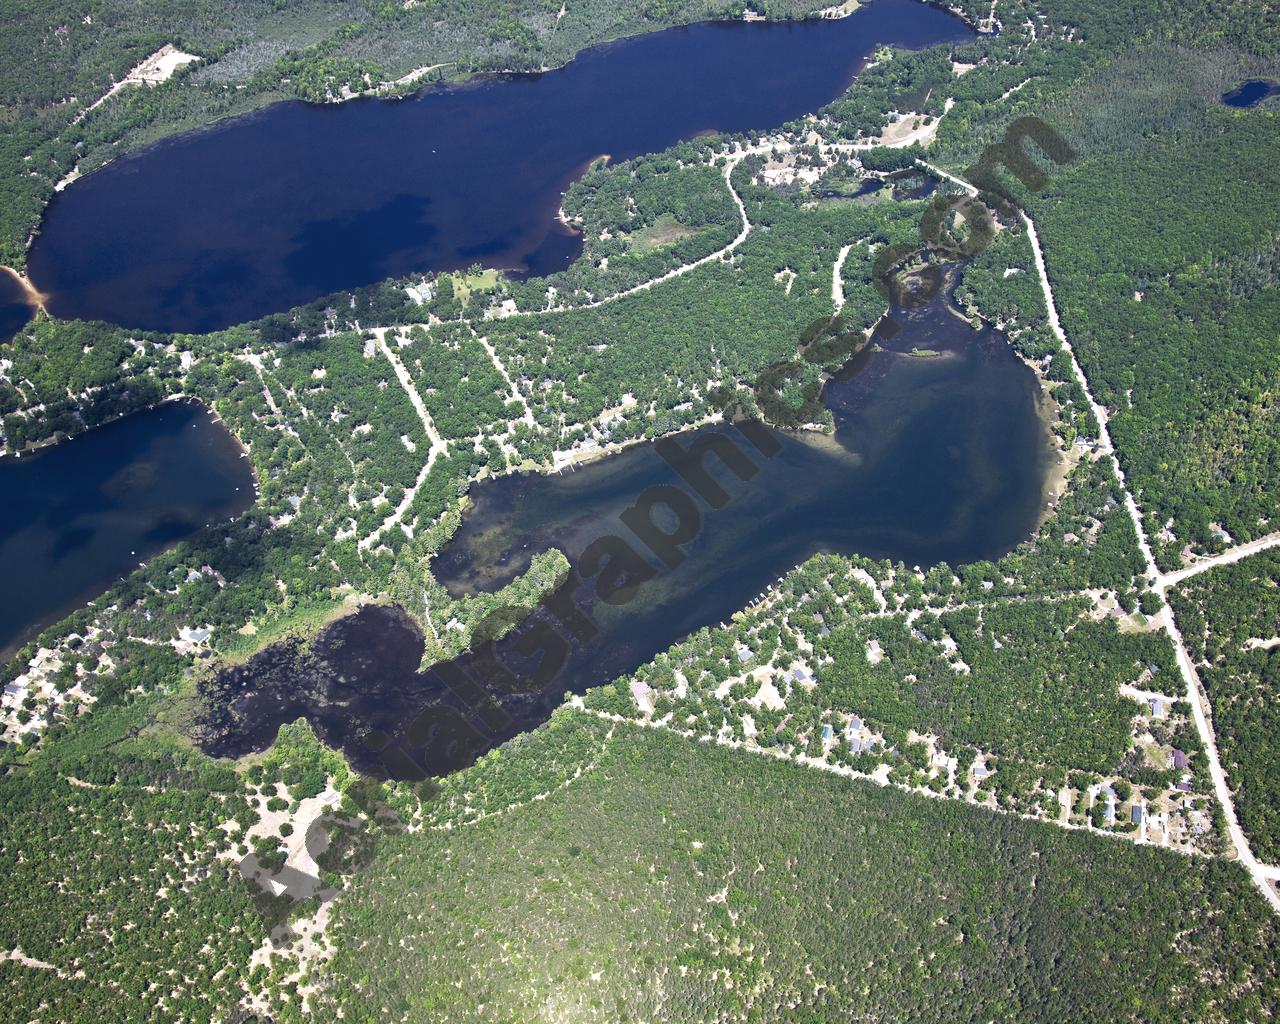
(408, 85)
(73, 605)
(1064, 458)
(578, 229)
(41, 447)
(31, 294)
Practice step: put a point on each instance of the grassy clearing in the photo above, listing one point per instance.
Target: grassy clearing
(480, 281)
(664, 231)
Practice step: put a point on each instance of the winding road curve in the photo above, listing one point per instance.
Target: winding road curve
(734, 159)
(684, 268)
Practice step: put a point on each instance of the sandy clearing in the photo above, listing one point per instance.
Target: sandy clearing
(1138, 694)
(910, 128)
(70, 178)
(17, 956)
(157, 68)
(413, 76)
(768, 696)
(840, 10)
(837, 285)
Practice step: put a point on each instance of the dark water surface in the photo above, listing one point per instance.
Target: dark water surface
(1251, 93)
(81, 514)
(275, 209)
(936, 457)
(15, 310)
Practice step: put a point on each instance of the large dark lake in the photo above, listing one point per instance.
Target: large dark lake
(81, 514)
(935, 457)
(269, 211)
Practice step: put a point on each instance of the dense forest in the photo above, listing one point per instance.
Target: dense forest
(1176, 319)
(1041, 684)
(673, 880)
(122, 879)
(1160, 243)
(111, 879)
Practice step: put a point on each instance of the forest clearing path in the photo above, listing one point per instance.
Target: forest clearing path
(516, 396)
(1235, 554)
(438, 444)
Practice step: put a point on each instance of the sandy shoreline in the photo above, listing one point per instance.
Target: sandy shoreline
(33, 296)
(576, 228)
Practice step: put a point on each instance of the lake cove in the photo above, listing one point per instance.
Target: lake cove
(297, 201)
(79, 515)
(935, 458)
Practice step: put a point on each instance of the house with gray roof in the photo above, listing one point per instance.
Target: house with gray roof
(1109, 795)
